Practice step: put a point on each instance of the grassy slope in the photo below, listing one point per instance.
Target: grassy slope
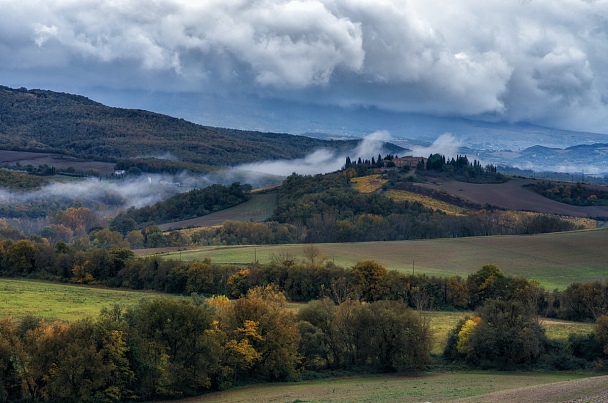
(258, 208)
(556, 260)
(51, 301)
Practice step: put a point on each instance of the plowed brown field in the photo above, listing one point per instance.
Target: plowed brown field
(512, 196)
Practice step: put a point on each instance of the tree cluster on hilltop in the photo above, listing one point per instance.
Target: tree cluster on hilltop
(326, 208)
(460, 168)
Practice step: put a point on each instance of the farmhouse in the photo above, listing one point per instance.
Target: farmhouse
(407, 161)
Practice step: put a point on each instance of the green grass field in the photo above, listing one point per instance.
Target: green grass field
(556, 260)
(51, 301)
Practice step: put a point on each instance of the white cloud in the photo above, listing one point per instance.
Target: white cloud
(539, 61)
(447, 144)
(322, 160)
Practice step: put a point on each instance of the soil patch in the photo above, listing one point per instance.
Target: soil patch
(25, 158)
(512, 196)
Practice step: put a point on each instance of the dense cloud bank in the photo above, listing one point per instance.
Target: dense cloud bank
(538, 61)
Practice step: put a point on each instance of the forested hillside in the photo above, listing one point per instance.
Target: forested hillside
(37, 120)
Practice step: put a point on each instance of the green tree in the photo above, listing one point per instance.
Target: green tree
(135, 239)
(318, 334)
(14, 379)
(371, 280)
(107, 239)
(21, 257)
(174, 354)
(507, 335)
(401, 338)
(601, 332)
(485, 284)
(264, 309)
(79, 362)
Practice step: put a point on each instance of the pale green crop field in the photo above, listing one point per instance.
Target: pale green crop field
(556, 260)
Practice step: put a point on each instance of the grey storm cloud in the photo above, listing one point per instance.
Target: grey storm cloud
(536, 60)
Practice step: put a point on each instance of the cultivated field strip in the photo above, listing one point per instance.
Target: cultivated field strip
(556, 260)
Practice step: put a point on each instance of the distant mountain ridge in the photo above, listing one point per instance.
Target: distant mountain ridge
(40, 120)
(582, 158)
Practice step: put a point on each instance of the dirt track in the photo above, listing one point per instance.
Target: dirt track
(588, 390)
(512, 196)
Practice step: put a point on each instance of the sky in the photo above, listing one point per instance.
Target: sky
(538, 61)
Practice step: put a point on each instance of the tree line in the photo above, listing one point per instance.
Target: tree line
(573, 194)
(177, 347)
(461, 168)
(302, 280)
(170, 348)
(360, 318)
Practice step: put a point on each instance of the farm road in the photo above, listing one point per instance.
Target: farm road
(587, 390)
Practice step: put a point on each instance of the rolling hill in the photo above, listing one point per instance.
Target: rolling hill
(46, 121)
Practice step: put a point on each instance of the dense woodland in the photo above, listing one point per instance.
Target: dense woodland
(171, 348)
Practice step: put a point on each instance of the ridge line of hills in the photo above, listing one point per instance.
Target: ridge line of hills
(47, 121)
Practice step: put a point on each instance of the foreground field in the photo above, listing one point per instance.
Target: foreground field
(19, 298)
(556, 260)
(445, 387)
(69, 302)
